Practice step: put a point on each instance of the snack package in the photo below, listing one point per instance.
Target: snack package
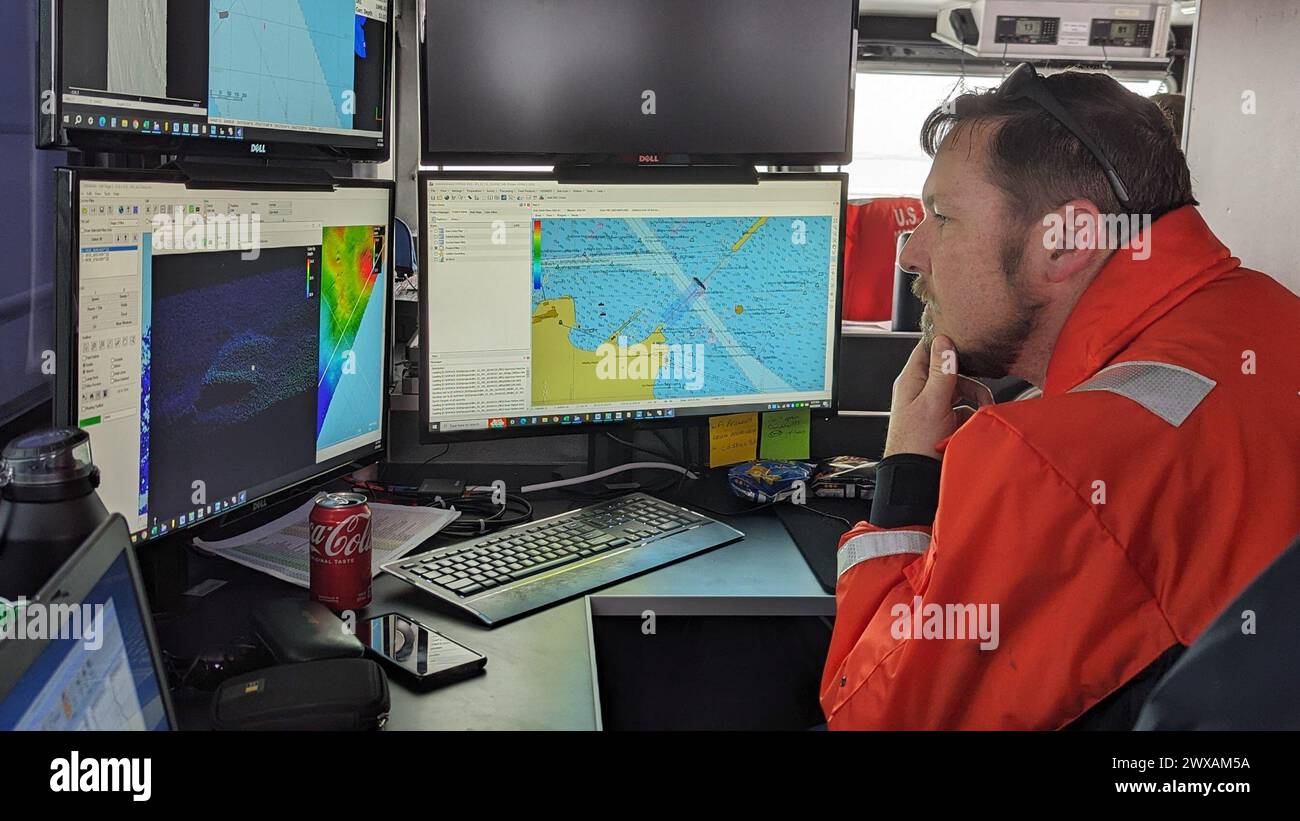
(768, 479)
(845, 477)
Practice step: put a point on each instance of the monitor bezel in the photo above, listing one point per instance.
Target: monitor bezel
(648, 156)
(279, 144)
(73, 582)
(430, 437)
(67, 281)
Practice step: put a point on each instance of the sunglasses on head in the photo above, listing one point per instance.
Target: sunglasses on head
(1024, 82)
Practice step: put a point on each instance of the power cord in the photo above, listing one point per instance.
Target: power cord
(479, 514)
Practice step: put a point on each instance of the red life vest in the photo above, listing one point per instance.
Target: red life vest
(871, 231)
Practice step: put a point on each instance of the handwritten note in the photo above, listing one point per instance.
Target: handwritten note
(786, 434)
(732, 438)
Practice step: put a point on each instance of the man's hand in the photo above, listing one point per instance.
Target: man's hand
(921, 414)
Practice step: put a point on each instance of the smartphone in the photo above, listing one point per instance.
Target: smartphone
(418, 650)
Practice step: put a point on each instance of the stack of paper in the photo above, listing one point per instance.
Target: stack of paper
(280, 548)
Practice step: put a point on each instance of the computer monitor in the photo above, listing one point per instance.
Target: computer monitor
(82, 655)
(220, 345)
(683, 676)
(766, 82)
(547, 305)
(223, 77)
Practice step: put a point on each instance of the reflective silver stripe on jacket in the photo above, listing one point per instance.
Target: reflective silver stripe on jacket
(880, 543)
(1168, 391)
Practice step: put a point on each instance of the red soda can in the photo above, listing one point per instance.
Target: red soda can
(339, 533)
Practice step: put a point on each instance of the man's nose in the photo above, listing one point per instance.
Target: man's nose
(914, 255)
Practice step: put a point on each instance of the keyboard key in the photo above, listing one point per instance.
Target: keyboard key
(538, 568)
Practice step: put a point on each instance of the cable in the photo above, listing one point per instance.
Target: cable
(591, 477)
(669, 484)
(811, 509)
(668, 457)
(438, 455)
(490, 516)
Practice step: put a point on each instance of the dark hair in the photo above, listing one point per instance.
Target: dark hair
(1041, 165)
(1174, 106)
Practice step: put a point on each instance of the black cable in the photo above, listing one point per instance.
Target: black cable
(660, 454)
(439, 455)
(479, 515)
(680, 455)
(811, 509)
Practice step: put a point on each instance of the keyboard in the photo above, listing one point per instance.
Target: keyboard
(524, 568)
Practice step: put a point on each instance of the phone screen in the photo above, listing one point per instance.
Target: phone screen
(414, 647)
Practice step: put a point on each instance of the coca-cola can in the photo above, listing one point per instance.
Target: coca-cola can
(339, 528)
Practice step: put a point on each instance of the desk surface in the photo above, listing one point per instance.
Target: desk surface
(538, 672)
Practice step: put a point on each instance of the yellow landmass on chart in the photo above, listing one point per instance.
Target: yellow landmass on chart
(564, 374)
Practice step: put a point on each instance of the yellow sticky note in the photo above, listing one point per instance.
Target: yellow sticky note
(732, 438)
(786, 434)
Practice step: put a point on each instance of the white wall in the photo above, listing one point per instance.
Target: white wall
(1246, 166)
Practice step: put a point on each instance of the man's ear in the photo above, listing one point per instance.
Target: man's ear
(1073, 240)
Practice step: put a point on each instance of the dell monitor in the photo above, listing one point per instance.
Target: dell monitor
(82, 655)
(217, 77)
(766, 82)
(548, 306)
(220, 346)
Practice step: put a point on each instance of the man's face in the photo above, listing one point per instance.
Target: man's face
(967, 254)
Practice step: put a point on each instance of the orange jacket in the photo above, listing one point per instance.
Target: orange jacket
(1109, 520)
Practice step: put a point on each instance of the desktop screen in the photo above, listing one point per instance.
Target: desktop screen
(228, 344)
(769, 80)
(92, 678)
(306, 71)
(549, 304)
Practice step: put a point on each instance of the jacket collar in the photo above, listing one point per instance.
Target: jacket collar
(1129, 294)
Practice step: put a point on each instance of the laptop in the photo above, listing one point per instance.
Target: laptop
(708, 662)
(82, 654)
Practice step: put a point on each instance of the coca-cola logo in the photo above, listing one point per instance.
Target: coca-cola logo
(347, 538)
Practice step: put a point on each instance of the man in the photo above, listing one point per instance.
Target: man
(1039, 564)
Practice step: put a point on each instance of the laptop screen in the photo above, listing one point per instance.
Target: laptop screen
(96, 672)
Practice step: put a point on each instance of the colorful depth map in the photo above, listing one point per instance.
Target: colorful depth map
(678, 307)
(348, 399)
(282, 61)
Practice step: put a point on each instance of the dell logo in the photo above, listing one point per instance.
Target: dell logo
(648, 158)
(257, 148)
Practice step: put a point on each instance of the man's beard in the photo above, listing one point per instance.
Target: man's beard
(993, 356)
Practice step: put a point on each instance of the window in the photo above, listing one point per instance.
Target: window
(888, 111)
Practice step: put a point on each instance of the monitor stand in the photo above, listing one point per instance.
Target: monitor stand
(164, 561)
(208, 174)
(657, 174)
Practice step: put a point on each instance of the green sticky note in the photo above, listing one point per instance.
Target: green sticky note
(785, 435)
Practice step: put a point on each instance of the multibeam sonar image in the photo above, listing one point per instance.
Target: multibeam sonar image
(233, 373)
(349, 397)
